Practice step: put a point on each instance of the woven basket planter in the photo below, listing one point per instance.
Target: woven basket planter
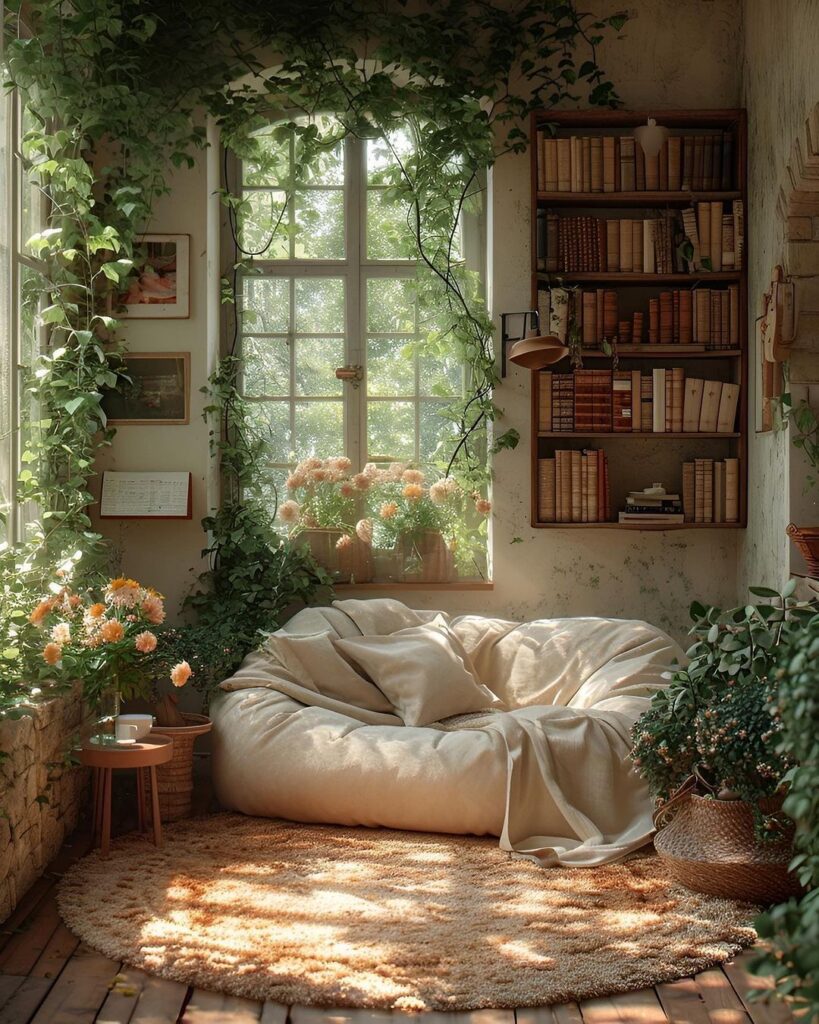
(353, 562)
(806, 539)
(709, 846)
(174, 780)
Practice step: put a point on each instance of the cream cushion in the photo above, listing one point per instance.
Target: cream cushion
(423, 671)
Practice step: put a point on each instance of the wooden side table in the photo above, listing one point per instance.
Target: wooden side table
(104, 759)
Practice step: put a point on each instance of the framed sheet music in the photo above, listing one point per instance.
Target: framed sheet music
(146, 496)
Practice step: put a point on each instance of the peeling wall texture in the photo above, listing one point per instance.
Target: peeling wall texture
(780, 86)
(671, 54)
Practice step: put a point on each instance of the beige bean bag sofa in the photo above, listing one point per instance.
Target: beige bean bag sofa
(544, 767)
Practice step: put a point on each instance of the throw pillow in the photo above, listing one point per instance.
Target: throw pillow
(422, 673)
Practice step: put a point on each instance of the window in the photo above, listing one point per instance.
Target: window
(332, 289)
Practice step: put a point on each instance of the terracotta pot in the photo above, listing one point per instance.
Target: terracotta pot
(351, 563)
(174, 780)
(806, 539)
(425, 558)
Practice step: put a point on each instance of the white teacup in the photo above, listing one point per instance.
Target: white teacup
(126, 732)
(143, 724)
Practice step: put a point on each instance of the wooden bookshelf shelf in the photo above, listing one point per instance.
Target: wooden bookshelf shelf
(636, 435)
(600, 277)
(595, 148)
(615, 199)
(637, 526)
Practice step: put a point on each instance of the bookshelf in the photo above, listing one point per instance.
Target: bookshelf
(579, 205)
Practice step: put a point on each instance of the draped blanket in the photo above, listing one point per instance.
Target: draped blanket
(550, 775)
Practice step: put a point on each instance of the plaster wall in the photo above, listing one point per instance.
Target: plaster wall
(780, 86)
(672, 53)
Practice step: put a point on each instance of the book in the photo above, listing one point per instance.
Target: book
(564, 165)
(552, 242)
(640, 517)
(546, 490)
(708, 162)
(636, 401)
(704, 231)
(732, 490)
(636, 246)
(702, 317)
(609, 313)
(688, 491)
(550, 155)
(564, 467)
(584, 400)
(652, 173)
(674, 163)
(715, 240)
(687, 163)
(612, 246)
(733, 316)
(627, 167)
(585, 152)
(592, 483)
(589, 323)
(576, 489)
(709, 410)
(696, 173)
(663, 167)
(727, 163)
(648, 246)
(719, 492)
(699, 490)
(647, 403)
(544, 402)
(625, 263)
(739, 232)
(639, 169)
(728, 255)
(677, 388)
(596, 164)
(728, 401)
(621, 401)
(708, 491)
(609, 161)
(541, 161)
(658, 394)
(575, 163)
(584, 487)
(691, 404)
(686, 317)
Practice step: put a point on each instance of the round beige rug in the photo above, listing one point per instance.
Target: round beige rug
(362, 917)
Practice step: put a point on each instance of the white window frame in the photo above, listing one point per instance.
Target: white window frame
(356, 270)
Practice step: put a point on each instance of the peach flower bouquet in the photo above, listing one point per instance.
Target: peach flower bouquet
(323, 494)
(109, 642)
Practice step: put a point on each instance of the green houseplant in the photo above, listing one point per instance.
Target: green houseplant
(716, 732)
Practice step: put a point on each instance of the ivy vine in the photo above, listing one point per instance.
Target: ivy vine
(117, 92)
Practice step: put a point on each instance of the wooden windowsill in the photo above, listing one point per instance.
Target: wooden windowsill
(456, 585)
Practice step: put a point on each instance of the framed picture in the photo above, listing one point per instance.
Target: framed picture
(158, 393)
(158, 286)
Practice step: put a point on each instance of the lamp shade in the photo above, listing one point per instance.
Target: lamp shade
(537, 350)
(651, 137)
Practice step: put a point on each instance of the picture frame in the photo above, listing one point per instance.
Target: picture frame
(158, 286)
(159, 394)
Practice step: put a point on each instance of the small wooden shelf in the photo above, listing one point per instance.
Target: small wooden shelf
(667, 435)
(602, 277)
(615, 199)
(664, 352)
(637, 526)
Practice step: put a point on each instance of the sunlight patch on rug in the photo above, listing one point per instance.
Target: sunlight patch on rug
(356, 917)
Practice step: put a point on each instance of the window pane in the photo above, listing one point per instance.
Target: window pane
(320, 305)
(266, 366)
(266, 305)
(319, 225)
(270, 421)
(390, 305)
(389, 236)
(263, 224)
(384, 157)
(391, 430)
(327, 165)
(319, 429)
(316, 362)
(390, 366)
(440, 374)
(434, 428)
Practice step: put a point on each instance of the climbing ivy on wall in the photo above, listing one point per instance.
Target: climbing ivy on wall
(118, 92)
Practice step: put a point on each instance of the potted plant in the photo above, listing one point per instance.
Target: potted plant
(418, 521)
(109, 641)
(709, 749)
(806, 425)
(322, 511)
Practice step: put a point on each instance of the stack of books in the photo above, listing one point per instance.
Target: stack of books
(653, 505)
(611, 163)
(711, 491)
(573, 487)
(625, 401)
(702, 319)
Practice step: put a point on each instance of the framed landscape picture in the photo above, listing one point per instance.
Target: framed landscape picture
(158, 286)
(158, 394)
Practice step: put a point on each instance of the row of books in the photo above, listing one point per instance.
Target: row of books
(710, 491)
(573, 487)
(625, 401)
(707, 318)
(653, 505)
(607, 163)
(650, 245)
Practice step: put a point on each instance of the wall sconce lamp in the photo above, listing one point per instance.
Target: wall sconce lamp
(651, 137)
(529, 348)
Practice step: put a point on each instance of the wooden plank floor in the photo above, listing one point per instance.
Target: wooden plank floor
(47, 976)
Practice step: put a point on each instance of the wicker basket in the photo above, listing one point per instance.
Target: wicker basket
(709, 846)
(806, 538)
(174, 780)
(351, 562)
(425, 558)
